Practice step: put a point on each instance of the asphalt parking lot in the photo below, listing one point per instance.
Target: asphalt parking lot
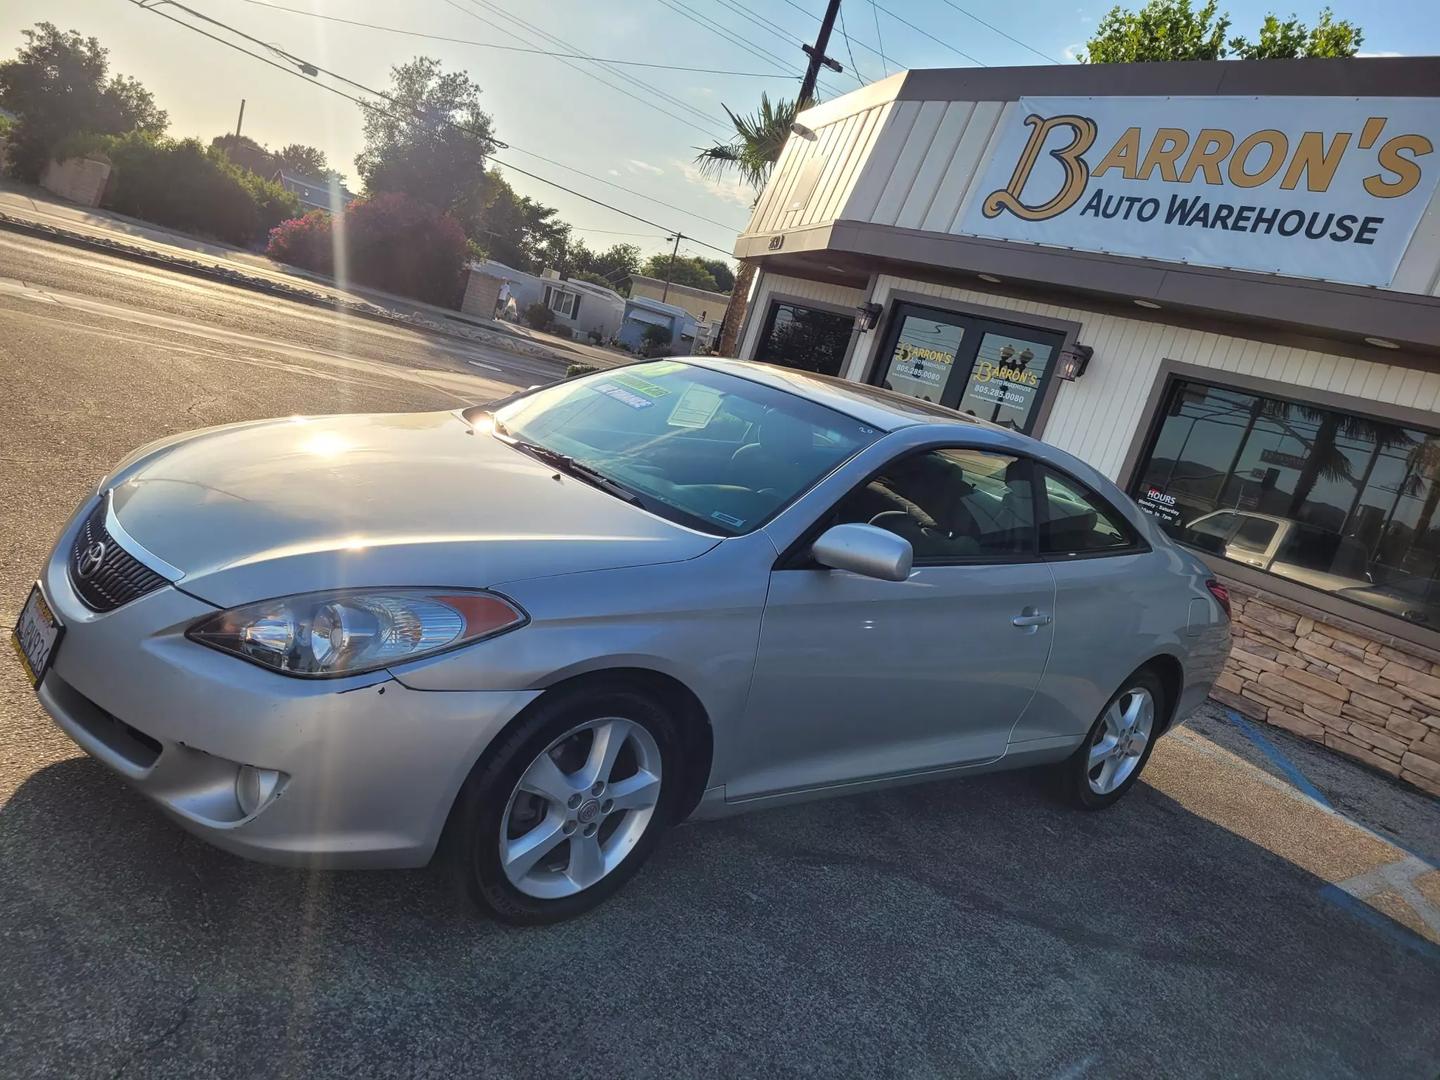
(1254, 907)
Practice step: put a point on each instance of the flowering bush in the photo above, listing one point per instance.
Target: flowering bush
(307, 242)
(391, 242)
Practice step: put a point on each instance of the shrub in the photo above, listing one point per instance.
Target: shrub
(538, 317)
(579, 369)
(184, 186)
(562, 332)
(392, 242)
(596, 338)
(655, 340)
(307, 242)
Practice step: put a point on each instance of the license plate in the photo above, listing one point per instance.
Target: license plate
(36, 635)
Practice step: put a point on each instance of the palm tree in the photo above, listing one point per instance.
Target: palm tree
(751, 155)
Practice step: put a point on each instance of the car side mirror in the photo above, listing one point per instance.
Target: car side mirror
(866, 550)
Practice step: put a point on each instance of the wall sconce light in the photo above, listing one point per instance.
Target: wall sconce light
(867, 317)
(1073, 362)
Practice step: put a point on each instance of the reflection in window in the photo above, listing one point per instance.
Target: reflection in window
(1006, 379)
(805, 338)
(923, 358)
(1330, 499)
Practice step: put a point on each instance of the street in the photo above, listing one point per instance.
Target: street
(1254, 907)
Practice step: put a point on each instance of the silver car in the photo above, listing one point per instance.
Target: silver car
(543, 629)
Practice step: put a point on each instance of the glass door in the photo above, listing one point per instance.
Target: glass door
(994, 370)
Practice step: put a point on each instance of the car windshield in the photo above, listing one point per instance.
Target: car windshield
(702, 447)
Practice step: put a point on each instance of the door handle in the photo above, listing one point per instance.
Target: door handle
(1031, 617)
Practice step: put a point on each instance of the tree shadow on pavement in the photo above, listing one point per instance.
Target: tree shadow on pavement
(973, 927)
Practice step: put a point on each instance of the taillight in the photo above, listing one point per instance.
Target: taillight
(1221, 594)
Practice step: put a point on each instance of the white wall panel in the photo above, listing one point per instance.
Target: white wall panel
(1097, 417)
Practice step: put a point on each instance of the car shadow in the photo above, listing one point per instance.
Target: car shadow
(975, 927)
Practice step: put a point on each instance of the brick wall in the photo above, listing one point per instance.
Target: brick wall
(1354, 690)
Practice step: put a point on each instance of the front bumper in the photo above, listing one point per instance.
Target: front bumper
(369, 769)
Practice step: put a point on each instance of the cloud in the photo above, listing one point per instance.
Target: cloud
(637, 166)
(1378, 54)
(1072, 52)
(732, 191)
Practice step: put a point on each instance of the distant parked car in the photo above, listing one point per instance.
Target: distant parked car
(549, 627)
(1293, 549)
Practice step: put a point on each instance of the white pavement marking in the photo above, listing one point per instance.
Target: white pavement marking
(488, 367)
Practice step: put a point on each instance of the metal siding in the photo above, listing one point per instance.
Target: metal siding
(938, 156)
(1097, 417)
(900, 118)
(836, 158)
(960, 173)
(907, 163)
(854, 157)
(982, 158)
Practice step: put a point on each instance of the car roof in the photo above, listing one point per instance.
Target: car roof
(883, 409)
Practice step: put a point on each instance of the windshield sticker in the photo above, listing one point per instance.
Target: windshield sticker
(696, 408)
(663, 367)
(733, 522)
(643, 386)
(620, 394)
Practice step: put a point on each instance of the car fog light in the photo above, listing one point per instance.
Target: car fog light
(253, 788)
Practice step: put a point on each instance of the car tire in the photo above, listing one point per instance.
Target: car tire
(1107, 764)
(495, 804)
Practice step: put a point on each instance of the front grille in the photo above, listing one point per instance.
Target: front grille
(111, 575)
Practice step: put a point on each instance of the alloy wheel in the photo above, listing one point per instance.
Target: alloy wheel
(580, 807)
(1120, 740)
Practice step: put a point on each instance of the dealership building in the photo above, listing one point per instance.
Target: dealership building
(1218, 283)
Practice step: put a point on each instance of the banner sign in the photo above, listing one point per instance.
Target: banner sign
(1328, 188)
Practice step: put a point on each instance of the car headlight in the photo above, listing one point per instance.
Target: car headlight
(350, 631)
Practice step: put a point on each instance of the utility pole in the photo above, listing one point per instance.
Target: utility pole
(240, 121)
(817, 55)
(670, 267)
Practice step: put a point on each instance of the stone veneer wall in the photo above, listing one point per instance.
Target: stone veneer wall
(1335, 682)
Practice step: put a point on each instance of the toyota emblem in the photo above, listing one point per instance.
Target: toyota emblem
(90, 559)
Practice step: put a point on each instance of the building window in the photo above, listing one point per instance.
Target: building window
(993, 370)
(1334, 500)
(562, 302)
(805, 338)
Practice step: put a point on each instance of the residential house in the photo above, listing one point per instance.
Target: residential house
(641, 312)
(707, 307)
(588, 311)
(314, 193)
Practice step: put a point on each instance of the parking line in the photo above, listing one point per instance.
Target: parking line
(1278, 758)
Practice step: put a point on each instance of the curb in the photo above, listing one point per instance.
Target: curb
(294, 293)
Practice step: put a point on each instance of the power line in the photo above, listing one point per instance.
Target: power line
(547, 36)
(879, 38)
(649, 104)
(300, 71)
(1002, 33)
(858, 40)
(516, 48)
(682, 9)
(926, 33)
(850, 52)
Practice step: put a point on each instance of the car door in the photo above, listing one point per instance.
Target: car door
(860, 679)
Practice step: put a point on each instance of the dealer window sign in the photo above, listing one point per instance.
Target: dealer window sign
(1327, 188)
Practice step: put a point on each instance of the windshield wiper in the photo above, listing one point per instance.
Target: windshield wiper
(578, 469)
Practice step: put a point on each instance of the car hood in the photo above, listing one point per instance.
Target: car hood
(259, 510)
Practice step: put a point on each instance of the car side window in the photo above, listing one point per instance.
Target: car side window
(1076, 521)
(953, 505)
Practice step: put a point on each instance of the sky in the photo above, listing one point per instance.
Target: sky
(640, 132)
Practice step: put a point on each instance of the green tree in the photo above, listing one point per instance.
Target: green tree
(611, 267)
(750, 154)
(685, 270)
(305, 160)
(1177, 30)
(431, 143)
(516, 230)
(61, 85)
(1278, 40)
(721, 272)
(245, 152)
